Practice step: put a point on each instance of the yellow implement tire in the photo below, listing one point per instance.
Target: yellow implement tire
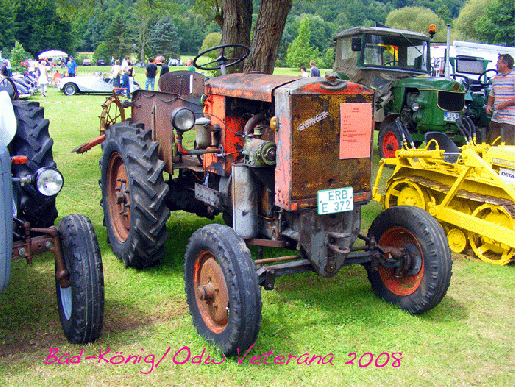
(489, 250)
(112, 112)
(405, 193)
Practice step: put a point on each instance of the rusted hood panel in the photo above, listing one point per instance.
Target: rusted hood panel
(259, 87)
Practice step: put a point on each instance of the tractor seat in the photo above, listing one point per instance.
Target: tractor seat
(451, 150)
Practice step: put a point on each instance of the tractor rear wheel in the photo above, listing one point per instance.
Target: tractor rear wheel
(133, 195)
(389, 140)
(222, 288)
(33, 140)
(422, 285)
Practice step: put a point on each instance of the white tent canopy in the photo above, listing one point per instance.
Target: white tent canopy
(52, 54)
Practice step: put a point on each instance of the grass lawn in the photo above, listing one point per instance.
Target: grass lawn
(468, 339)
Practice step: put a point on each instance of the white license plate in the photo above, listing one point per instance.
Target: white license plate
(451, 116)
(331, 201)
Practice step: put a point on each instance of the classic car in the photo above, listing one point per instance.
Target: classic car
(90, 84)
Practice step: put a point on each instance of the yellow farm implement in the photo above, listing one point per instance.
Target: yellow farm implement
(469, 190)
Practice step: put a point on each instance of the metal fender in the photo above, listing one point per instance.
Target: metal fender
(6, 218)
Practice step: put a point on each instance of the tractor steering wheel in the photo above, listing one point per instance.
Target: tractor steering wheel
(489, 79)
(222, 62)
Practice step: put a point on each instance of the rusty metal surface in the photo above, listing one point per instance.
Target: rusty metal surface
(50, 241)
(258, 87)
(154, 110)
(308, 142)
(182, 83)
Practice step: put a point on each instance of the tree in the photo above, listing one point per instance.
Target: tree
(213, 39)
(300, 52)
(266, 36)
(7, 32)
(18, 55)
(465, 24)
(486, 21)
(38, 27)
(117, 42)
(417, 19)
(164, 39)
(498, 26)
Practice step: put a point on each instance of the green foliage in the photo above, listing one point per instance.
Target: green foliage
(102, 52)
(300, 52)
(417, 19)
(327, 60)
(38, 26)
(498, 25)
(211, 40)
(164, 39)
(117, 42)
(486, 21)
(465, 24)
(18, 55)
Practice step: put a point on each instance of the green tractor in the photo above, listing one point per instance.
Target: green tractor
(408, 101)
(473, 72)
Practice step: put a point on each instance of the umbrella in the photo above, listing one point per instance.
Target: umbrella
(52, 54)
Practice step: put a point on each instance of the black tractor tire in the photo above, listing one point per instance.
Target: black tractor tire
(389, 140)
(222, 288)
(133, 195)
(70, 89)
(415, 229)
(81, 305)
(33, 140)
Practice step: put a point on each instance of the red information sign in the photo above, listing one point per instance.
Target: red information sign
(355, 130)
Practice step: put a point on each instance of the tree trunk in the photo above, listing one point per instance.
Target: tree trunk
(237, 21)
(267, 35)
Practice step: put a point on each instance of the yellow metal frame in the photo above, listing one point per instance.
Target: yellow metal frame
(474, 177)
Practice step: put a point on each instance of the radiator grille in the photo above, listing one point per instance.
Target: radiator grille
(316, 162)
(451, 101)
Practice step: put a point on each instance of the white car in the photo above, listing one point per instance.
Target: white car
(91, 84)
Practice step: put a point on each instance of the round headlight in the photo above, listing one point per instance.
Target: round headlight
(183, 119)
(415, 106)
(49, 181)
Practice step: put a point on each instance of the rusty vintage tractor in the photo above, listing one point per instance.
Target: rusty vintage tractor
(287, 161)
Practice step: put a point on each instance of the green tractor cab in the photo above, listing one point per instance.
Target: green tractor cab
(408, 101)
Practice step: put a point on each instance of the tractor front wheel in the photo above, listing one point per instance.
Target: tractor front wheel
(422, 285)
(222, 289)
(81, 304)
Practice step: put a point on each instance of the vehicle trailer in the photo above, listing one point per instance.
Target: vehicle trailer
(287, 162)
(409, 102)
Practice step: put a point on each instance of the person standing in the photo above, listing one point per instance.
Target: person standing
(150, 73)
(43, 78)
(189, 63)
(116, 72)
(501, 102)
(164, 69)
(72, 67)
(303, 71)
(314, 71)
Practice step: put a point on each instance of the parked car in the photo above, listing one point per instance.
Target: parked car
(90, 84)
(101, 62)
(86, 62)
